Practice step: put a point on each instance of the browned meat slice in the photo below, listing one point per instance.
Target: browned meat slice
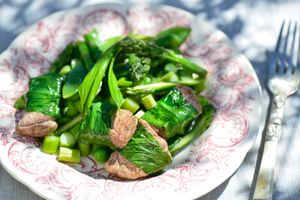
(123, 127)
(36, 124)
(190, 97)
(121, 167)
(160, 140)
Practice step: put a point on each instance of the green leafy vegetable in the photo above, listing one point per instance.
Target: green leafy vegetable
(95, 126)
(201, 124)
(145, 152)
(85, 55)
(44, 94)
(92, 82)
(74, 78)
(172, 38)
(171, 114)
(114, 90)
(93, 41)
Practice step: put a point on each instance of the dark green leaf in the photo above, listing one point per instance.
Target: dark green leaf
(74, 79)
(201, 124)
(95, 126)
(173, 37)
(92, 82)
(171, 114)
(93, 41)
(63, 59)
(145, 152)
(44, 94)
(85, 55)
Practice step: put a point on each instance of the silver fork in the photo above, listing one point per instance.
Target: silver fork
(284, 78)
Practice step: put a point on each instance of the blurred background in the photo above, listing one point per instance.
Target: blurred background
(252, 25)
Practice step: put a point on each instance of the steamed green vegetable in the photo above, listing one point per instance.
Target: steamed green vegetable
(145, 152)
(171, 114)
(44, 95)
(95, 126)
(145, 75)
(172, 38)
(74, 78)
(201, 124)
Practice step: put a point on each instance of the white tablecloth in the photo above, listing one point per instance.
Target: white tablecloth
(252, 25)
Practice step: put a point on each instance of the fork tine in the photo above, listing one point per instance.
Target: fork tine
(292, 51)
(298, 53)
(283, 64)
(273, 67)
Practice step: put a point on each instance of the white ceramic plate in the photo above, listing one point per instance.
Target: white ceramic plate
(233, 87)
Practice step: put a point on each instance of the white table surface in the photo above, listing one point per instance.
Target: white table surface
(252, 25)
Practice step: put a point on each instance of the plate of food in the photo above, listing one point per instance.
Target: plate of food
(115, 101)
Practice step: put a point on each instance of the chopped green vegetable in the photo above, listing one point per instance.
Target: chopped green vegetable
(44, 94)
(139, 114)
(68, 155)
(170, 77)
(50, 144)
(65, 70)
(149, 88)
(67, 140)
(145, 152)
(148, 101)
(20, 103)
(84, 149)
(130, 104)
(101, 154)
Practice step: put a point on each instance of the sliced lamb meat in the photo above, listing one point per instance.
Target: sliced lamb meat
(123, 127)
(36, 124)
(121, 167)
(190, 97)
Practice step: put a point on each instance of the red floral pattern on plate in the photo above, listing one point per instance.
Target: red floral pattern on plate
(210, 160)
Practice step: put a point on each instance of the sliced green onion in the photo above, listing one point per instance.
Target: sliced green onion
(131, 105)
(148, 101)
(84, 149)
(101, 154)
(139, 114)
(50, 144)
(65, 70)
(67, 140)
(170, 77)
(123, 82)
(68, 155)
(20, 103)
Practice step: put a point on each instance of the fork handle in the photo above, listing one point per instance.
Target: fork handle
(266, 175)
